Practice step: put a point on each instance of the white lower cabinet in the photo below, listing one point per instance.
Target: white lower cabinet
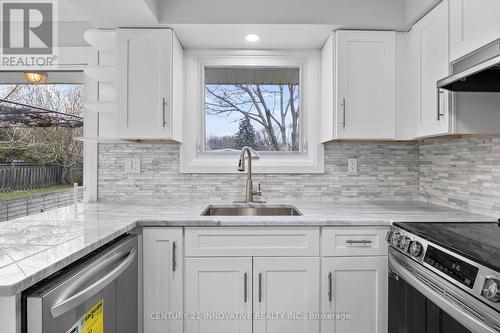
(263, 290)
(287, 286)
(218, 286)
(267, 294)
(162, 279)
(355, 286)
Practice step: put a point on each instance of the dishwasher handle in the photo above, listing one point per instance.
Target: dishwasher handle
(71, 302)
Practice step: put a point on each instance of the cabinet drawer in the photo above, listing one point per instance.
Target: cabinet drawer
(252, 242)
(362, 241)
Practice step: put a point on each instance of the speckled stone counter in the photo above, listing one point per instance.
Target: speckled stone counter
(36, 246)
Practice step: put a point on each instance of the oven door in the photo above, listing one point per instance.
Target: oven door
(422, 302)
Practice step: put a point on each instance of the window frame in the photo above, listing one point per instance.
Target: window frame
(193, 157)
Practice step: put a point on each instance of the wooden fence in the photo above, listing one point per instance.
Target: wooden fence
(11, 209)
(18, 177)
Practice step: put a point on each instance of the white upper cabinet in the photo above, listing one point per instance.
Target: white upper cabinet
(473, 23)
(366, 85)
(427, 57)
(359, 85)
(149, 84)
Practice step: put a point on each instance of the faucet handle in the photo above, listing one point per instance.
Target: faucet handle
(259, 192)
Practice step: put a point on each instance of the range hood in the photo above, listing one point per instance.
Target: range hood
(479, 72)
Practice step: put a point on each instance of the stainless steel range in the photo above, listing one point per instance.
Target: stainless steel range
(444, 277)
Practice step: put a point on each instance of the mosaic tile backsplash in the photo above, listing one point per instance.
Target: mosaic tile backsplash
(462, 174)
(459, 173)
(386, 172)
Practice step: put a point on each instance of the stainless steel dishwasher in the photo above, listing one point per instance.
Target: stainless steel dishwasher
(98, 294)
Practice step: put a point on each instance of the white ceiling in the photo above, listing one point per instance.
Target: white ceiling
(282, 24)
(68, 13)
(117, 13)
(415, 9)
(273, 36)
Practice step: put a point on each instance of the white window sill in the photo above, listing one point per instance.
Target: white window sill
(311, 163)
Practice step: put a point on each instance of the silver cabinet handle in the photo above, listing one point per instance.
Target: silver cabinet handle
(174, 262)
(343, 112)
(330, 287)
(362, 241)
(164, 107)
(260, 287)
(439, 113)
(245, 287)
(78, 298)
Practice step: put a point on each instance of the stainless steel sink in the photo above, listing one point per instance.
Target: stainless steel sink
(251, 210)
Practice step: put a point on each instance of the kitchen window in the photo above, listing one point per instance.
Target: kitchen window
(257, 107)
(267, 100)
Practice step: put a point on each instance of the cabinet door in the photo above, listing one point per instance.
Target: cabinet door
(144, 73)
(473, 24)
(429, 46)
(162, 278)
(288, 286)
(355, 286)
(219, 286)
(366, 85)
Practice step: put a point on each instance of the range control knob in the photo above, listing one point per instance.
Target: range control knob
(491, 289)
(415, 248)
(395, 237)
(403, 242)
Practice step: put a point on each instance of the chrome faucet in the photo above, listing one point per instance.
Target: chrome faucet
(249, 191)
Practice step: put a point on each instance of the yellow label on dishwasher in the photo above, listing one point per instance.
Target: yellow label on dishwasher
(91, 322)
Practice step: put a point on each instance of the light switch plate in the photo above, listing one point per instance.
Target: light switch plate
(133, 165)
(352, 166)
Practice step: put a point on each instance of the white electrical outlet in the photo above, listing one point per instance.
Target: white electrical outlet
(352, 166)
(133, 165)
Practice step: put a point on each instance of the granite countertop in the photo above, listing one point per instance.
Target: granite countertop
(34, 247)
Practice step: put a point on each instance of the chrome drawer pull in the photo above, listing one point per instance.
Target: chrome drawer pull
(363, 241)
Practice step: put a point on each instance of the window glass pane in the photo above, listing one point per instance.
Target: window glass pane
(256, 107)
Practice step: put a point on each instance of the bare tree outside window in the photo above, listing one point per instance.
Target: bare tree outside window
(256, 107)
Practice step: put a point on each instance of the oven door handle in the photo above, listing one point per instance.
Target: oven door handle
(462, 316)
(69, 303)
